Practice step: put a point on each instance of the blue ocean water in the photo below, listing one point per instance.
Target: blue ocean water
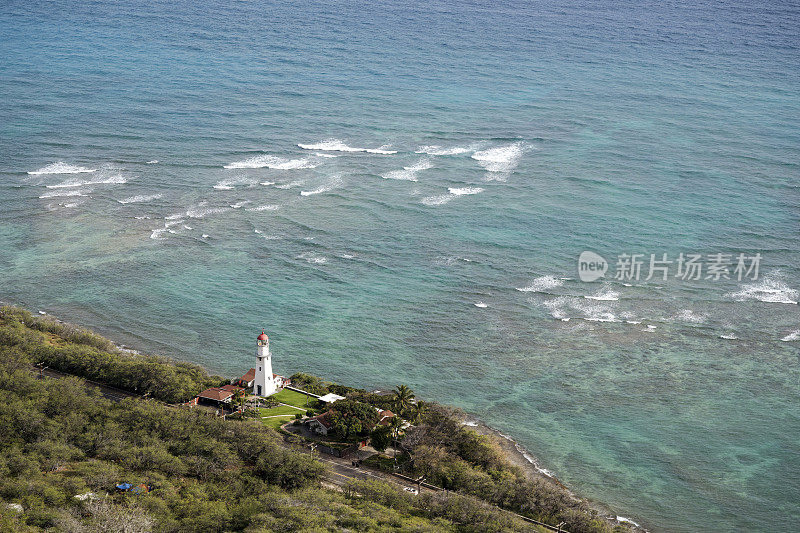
(399, 192)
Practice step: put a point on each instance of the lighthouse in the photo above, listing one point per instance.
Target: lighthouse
(264, 383)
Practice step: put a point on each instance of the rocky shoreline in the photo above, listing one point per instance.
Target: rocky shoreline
(514, 452)
(518, 456)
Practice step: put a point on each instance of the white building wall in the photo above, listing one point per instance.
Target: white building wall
(264, 384)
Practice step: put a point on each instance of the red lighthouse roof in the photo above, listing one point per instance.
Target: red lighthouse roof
(263, 336)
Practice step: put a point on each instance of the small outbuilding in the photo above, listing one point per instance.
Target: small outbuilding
(248, 379)
(330, 398)
(320, 424)
(215, 395)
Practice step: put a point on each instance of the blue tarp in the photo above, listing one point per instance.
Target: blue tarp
(124, 486)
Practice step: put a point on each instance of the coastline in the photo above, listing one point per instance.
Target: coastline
(523, 459)
(514, 452)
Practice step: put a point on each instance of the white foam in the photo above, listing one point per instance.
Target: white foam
(501, 158)
(728, 336)
(408, 173)
(237, 205)
(438, 199)
(230, 183)
(206, 235)
(336, 145)
(271, 161)
(267, 183)
(528, 457)
(336, 181)
(687, 315)
(61, 168)
(650, 327)
(140, 198)
(329, 156)
(270, 207)
(152, 162)
(793, 336)
(480, 304)
(55, 194)
(460, 191)
(80, 183)
(627, 520)
(311, 257)
(291, 184)
(438, 150)
(187, 227)
(770, 289)
(591, 312)
(604, 296)
(202, 211)
(541, 284)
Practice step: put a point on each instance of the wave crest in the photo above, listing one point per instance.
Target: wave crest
(273, 162)
(336, 145)
(501, 158)
(60, 167)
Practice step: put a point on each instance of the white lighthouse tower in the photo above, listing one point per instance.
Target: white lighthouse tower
(264, 383)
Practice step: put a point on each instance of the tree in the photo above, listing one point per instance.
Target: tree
(395, 425)
(403, 398)
(417, 412)
(352, 419)
(239, 399)
(381, 437)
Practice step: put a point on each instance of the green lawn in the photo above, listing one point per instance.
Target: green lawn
(293, 398)
(276, 422)
(281, 410)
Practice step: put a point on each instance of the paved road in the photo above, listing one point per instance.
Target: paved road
(110, 393)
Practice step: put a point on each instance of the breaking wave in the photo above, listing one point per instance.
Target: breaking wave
(60, 167)
(271, 161)
(335, 182)
(57, 194)
(543, 283)
(311, 257)
(438, 150)
(80, 183)
(460, 191)
(605, 295)
(500, 159)
(687, 315)
(336, 145)
(140, 198)
(438, 199)
(408, 173)
(793, 336)
(769, 290)
(270, 207)
(230, 183)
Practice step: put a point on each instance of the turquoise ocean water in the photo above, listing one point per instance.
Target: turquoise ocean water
(398, 192)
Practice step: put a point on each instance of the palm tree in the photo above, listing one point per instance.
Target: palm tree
(395, 424)
(239, 400)
(403, 398)
(418, 410)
